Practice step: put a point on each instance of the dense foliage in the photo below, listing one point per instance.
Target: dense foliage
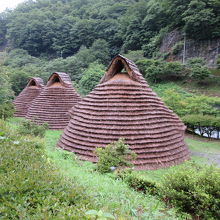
(194, 189)
(30, 187)
(114, 155)
(191, 188)
(206, 125)
(28, 127)
(124, 25)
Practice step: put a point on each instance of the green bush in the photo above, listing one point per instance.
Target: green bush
(28, 127)
(137, 182)
(90, 78)
(193, 189)
(218, 61)
(158, 70)
(177, 48)
(7, 110)
(6, 92)
(200, 73)
(198, 70)
(195, 61)
(205, 124)
(116, 154)
(30, 187)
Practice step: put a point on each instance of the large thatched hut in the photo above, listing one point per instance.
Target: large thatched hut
(28, 94)
(123, 105)
(54, 102)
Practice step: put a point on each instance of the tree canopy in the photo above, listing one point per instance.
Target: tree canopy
(60, 27)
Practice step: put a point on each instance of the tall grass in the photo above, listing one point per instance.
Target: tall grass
(108, 194)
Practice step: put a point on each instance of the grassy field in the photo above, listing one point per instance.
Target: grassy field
(114, 196)
(109, 194)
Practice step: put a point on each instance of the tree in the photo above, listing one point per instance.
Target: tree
(90, 77)
(100, 51)
(6, 92)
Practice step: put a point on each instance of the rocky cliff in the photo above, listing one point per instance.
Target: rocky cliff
(173, 45)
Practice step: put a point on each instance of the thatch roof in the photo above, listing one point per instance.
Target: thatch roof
(54, 102)
(123, 105)
(29, 93)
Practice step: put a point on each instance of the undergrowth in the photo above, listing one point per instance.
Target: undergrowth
(31, 187)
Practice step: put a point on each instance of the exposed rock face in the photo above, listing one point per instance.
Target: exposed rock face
(54, 102)
(123, 106)
(208, 49)
(29, 93)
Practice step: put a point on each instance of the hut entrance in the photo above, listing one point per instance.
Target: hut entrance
(118, 71)
(54, 81)
(117, 67)
(32, 83)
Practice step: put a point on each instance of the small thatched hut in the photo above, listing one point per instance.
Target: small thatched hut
(123, 105)
(28, 94)
(54, 102)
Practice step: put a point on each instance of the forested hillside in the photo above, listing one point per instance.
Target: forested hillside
(60, 27)
(80, 37)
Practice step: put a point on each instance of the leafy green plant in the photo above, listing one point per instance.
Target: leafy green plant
(99, 215)
(177, 48)
(193, 189)
(218, 61)
(205, 124)
(195, 61)
(159, 70)
(28, 127)
(7, 110)
(90, 77)
(31, 187)
(114, 155)
(200, 73)
(137, 182)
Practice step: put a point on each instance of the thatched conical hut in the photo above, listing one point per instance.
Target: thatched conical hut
(28, 94)
(123, 106)
(54, 102)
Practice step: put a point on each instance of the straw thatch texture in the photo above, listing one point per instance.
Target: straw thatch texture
(123, 105)
(29, 93)
(54, 102)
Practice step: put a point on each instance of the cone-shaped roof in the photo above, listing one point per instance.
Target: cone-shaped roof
(54, 102)
(28, 94)
(123, 105)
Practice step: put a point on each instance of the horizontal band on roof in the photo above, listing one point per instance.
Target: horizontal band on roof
(139, 149)
(93, 142)
(132, 129)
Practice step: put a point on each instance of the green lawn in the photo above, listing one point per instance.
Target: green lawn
(109, 194)
(205, 146)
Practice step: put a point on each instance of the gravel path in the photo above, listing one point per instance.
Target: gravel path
(212, 158)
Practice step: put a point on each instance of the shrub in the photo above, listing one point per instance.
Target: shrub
(199, 73)
(28, 127)
(158, 70)
(19, 80)
(90, 77)
(137, 182)
(218, 61)
(6, 92)
(205, 124)
(174, 70)
(30, 187)
(177, 48)
(7, 110)
(116, 154)
(195, 61)
(193, 189)
(134, 55)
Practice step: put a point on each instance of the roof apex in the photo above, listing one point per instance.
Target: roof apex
(117, 64)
